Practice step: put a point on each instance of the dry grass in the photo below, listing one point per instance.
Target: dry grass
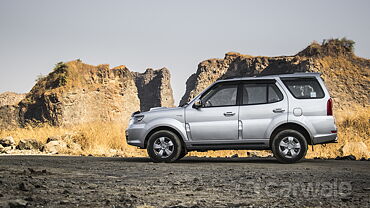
(108, 139)
(100, 139)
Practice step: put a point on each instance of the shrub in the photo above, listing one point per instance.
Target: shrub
(338, 46)
(39, 78)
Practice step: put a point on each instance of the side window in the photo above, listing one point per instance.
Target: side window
(304, 88)
(221, 95)
(261, 94)
(254, 94)
(274, 94)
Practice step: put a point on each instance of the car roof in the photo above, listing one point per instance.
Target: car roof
(300, 74)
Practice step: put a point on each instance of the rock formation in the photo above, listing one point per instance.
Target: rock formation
(346, 75)
(154, 88)
(10, 98)
(9, 111)
(79, 93)
(75, 93)
(9, 116)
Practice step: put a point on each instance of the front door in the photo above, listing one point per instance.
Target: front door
(217, 118)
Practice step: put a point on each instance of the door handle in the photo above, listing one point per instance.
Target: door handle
(229, 114)
(278, 110)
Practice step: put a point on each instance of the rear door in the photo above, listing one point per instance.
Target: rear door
(263, 107)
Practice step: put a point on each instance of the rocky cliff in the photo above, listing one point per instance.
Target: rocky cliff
(154, 88)
(79, 93)
(346, 75)
(10, 98)
(9, 111)
(75, 93)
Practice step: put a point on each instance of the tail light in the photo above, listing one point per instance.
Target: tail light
(329, 107)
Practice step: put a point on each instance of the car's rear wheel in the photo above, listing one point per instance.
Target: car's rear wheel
(289, 146)
(164, 146)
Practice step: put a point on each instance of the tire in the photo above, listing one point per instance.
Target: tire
(164, 146)
(289, 146)
(183, 154)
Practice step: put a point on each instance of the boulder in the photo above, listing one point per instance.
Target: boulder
(7, 141)
(1, 148)
(53, 138)
(7, 150)
(62, 144)
(29, 144)
(55, 147)
(74, 147)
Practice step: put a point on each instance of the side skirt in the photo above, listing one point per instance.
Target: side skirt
(240, 145)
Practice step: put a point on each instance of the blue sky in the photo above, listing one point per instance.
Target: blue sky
(34, 35)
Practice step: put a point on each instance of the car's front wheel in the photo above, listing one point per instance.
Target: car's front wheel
(289, 146)
(164, 146)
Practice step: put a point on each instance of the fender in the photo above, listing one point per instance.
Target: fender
(305, 124)
(294, 123)
(274, 125)
(169, 123)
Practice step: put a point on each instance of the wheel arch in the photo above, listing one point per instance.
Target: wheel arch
(293, 126)
(168, 128)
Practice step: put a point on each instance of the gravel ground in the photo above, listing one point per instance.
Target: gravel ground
(64, 181)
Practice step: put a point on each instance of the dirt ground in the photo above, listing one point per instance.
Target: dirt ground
(64, 181)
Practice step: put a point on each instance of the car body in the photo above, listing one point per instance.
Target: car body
(244, 114)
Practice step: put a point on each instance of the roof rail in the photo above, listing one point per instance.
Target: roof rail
(263, 75)
(297, 73)
(270, 75)
(233, 77)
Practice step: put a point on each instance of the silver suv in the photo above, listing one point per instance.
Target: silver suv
(283, 113)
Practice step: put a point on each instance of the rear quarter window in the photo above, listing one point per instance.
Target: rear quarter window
(304, 88)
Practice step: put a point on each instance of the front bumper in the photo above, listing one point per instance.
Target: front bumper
(135, 135)
(325, 139)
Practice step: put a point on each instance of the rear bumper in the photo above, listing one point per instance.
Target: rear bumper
(324, 139)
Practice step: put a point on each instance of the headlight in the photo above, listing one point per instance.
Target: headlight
(135, 119)
(138, 118)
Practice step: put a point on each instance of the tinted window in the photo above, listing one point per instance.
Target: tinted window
(260, 94)
(221, 95)
(304, 88)
(274, 94)
(254, 93)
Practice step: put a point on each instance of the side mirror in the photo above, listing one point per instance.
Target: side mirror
(197, 104)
